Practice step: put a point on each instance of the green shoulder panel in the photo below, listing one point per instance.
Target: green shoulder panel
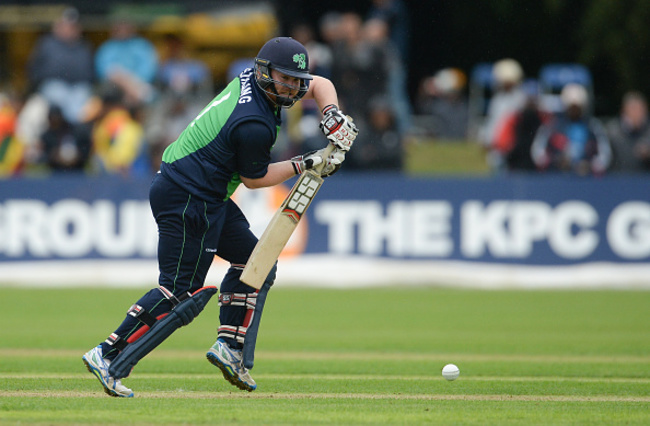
(206, 126)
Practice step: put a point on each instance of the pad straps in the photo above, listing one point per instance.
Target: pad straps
(170, 296)
(238, 299)
(234, 332)
(116, 341)
(141, 314)
(247, 300)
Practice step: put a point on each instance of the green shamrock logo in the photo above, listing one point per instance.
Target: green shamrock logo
(301, 60)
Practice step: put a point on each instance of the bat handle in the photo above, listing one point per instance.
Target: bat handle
(328, 150)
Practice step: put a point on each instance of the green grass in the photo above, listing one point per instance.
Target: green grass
(334, 356)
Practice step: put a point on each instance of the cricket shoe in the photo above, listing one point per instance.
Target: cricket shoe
(96, 364)
(229, 361)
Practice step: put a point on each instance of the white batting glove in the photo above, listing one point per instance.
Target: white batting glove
(312, 159)
(339, 128)
(333, 164)
(307, 161)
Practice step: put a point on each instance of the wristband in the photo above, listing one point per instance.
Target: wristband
(328, 108)
(296, 166)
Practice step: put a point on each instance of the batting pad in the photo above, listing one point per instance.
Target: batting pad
(248, 351)
(181, 315)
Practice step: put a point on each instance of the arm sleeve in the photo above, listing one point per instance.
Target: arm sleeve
(253, 141)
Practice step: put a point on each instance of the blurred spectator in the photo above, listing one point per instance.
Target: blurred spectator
(629, 135)
(573, 141)
(181, 74)
(395, 14)
(379, 146)
(375, 35)
(117, 135)
(320, 54)
(166, 121)
(301, 133)
(359, 70)
(65, 147)
(329, 27)
(507, 99)
(441, 100)
(237, 66)
(515, 136)
(129, 61)
(31, 123)
(185, 86)
(366, 67)
(11, 148)
(60, 67)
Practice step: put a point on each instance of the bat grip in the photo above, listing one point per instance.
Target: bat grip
(328, 150)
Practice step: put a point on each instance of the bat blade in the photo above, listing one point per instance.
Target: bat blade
(280, 228)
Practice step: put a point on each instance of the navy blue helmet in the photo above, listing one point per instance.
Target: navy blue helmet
(287, 56)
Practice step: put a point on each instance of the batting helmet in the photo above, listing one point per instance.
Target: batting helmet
(287, 56)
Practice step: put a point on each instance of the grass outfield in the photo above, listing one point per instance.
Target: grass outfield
(333, 356)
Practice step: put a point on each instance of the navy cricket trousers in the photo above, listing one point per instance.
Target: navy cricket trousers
(191, 232)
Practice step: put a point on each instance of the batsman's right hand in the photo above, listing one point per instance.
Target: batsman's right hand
(333, 164)
(338, 127)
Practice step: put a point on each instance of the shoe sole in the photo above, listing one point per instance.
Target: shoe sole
(96, 373)
(228, 373)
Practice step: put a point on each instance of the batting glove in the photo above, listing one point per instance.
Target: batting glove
(312, 159)
(333, 164)
(338, 127)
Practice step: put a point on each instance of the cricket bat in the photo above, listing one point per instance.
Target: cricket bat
(282, 224)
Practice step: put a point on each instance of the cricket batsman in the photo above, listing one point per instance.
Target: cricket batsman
(227, 144)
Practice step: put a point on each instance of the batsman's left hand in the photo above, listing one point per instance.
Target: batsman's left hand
(339, 128)
(314, 158)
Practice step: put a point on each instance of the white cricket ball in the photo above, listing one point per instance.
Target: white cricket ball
(450, 372)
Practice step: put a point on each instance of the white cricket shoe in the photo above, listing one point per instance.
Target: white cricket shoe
(96, 364)
(229, 361)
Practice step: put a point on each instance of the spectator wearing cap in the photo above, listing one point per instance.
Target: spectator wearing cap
(441, 100)
(60, 67)
(574, 141)
(508, 98)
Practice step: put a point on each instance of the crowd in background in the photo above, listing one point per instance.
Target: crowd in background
(527, 130)
(114, 109)
(107, 110)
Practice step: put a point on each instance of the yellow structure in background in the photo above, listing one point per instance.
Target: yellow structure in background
(218, 37)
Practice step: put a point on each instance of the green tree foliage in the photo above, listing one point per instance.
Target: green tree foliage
(614, 42)
(610, 37)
